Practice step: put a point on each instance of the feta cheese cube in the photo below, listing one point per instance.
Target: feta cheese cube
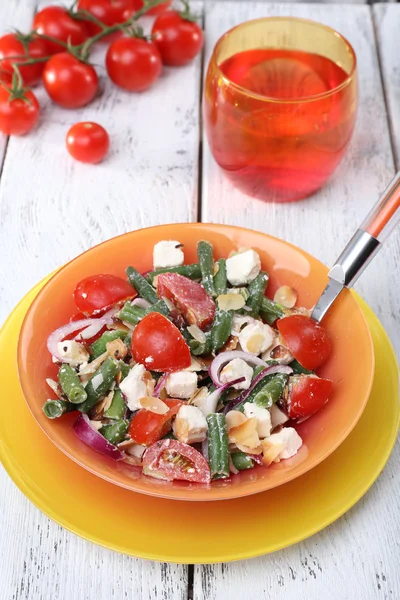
(190, 425)
(263, 418)
(235, 369)
(278, 417)
(256, 338)
(136, 385)
(167, 254)
(181, 384)
(289, 438)
(243, 268)
(73, 352)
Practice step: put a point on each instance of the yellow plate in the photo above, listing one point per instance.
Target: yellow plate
(195, 532)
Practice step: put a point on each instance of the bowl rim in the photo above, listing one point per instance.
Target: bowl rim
(184, 494)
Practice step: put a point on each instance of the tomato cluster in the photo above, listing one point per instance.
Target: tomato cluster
(56, 52)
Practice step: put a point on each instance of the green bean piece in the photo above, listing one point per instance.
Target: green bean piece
(141, 285)
(271, 391)
(115, 432)
(123, 369)
(218, 450)
(298, 368)
(117, 407)
(131, 314)
(159, 307)
(206, 260)
(257, 371)
(242, 461)
(56, 408)
(71, 384)
(220, 329)
(220, 279)
(100, 345)
(192, 271)
(198, 348)
(271, 311)
(256, 290)
(99, 384)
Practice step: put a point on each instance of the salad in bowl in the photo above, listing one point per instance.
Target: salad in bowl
(189, 372)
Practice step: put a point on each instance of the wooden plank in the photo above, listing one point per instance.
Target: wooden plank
(387, 19)
(353, 556)
(323, 223)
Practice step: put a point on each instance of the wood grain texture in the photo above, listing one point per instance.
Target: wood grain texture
(323, 223)
(387, 19)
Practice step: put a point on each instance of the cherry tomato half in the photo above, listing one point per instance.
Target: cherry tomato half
(20, 115)
(24, 47)
(156, 10)
(99, 292)
(147, 427)
(177, 39)
(133, 64)
(307, 395)
(68, 81)
(88, 142)
(109, 12)
(170, 459)
(159, 345)
(308, 341)
(55, 22)
(188, 296)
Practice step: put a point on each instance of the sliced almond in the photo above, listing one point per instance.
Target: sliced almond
(255, 343)
(132, 460)
(96, 425)
(249, 450)
(195, 366)
(92, 367)
(168, 303)
(97, 412)
(181, 429)
(230, 344)
(245, 434)
(53, 385)
(197, 333)
(286, 296)
(271, 452)
(199, 395)
(154, 405)
(231, 301)
(117, 349)
(234, 418)
(126, 444)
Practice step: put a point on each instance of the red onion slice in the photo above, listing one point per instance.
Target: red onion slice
(222, 359)
(61, 333)
(268, 371)
(160, 385)
(209, 405)
(90, 436)
(141, 303)
(94, 329)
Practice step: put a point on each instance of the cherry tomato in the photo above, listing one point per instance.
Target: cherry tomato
(99, 292)
(18, 115)
(307, 394)
(68, 81)
(159, 345)
(56, 22)
(147, 427)
(170, 459)
(109, 12)
(188, 296)
(133, 64)
(88, 142)
(24, 47)
(156, 10)
(308, 341)
(177, 39)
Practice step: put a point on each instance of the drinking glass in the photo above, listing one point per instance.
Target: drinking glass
(280, 103)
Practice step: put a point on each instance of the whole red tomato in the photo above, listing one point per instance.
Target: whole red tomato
(97, 293)
(24, 47)
(109, 12)
(56, 22)
(178, 40)
(88, 142)
(69, 82)
(156, 10)
(308, 341)
(18, 115)
(133, 64)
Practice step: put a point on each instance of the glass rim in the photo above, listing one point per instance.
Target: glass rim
(276, 100)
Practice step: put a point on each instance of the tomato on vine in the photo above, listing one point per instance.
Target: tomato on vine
(133, 63)
(88, 142)
(109, 12)
(17, 48)
(178, 38)
(57, 22)
(19, 107)
(69, 82)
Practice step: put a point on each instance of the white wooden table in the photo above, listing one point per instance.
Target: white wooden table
(159, 170)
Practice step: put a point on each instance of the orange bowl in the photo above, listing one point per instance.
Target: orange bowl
(351, 365)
